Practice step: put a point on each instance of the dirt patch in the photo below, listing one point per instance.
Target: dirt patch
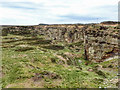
(19, 56)
(61, 58)
(45, 74)
(27, 84)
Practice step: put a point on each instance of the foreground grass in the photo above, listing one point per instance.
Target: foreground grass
(38, 63)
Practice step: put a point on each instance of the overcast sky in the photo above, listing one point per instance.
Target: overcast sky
(33, 12)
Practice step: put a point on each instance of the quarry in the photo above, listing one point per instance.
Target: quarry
(60, 55)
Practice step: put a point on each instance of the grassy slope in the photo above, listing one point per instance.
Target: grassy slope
(35, 62)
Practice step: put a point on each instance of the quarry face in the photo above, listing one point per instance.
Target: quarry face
(100, 40)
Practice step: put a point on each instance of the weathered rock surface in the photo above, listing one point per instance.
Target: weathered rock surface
(100, 42)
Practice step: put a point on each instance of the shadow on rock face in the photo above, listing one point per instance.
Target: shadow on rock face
(54, 47)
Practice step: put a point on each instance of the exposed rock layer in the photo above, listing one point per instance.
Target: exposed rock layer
(100, 42)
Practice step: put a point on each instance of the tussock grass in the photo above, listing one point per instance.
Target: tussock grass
(38, 63)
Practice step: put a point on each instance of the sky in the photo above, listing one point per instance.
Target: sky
(34, 12)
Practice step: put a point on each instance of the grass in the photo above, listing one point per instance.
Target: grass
(38, 63)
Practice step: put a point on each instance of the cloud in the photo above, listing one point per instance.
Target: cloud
(20, 12)
(17, 5)
(81, 18)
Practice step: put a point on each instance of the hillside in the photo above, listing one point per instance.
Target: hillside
(60, 56)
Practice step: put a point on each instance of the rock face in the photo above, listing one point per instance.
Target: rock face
(3, 31)
(100, 42)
